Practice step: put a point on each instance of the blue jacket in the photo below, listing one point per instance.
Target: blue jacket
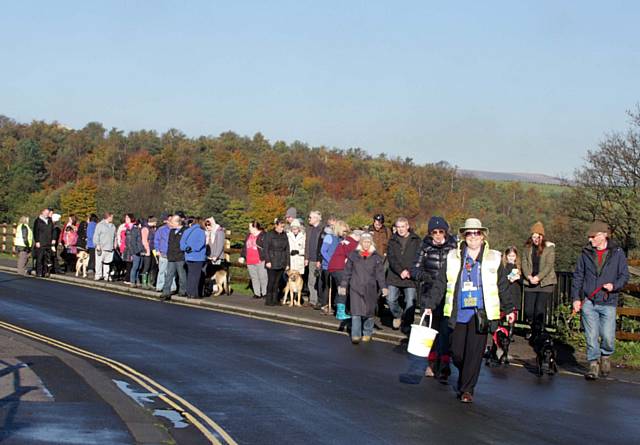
(586, 279)
(161, 239)
(194, 243)
(91, 228)
(329, 246)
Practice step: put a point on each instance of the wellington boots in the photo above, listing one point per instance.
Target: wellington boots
(145, 280)
(341, 313)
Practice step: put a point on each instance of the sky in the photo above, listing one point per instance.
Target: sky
(510, 86)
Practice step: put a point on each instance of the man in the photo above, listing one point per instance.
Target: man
(104, 240)
(402, 250)
(43, 238)
(314, 230)
(23, 242)
(601, 273)
(175, 258)
(381, 234)
(292, 213)
(161, 244)
(91, 247)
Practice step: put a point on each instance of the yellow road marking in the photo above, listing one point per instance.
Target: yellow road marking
(146, 382)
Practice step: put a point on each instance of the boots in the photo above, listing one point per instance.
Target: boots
(145, 280)
(341, 313)
(592, 373)
(605, 366)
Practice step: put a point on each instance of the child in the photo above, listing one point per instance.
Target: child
(513, 271)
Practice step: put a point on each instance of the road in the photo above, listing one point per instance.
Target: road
(268, 383)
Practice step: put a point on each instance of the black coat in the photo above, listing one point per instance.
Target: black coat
(401, 258)
(514, 289)
(43, 232)
(276, 250)
(174, 253)
(363, 277)
(82, 236)
(133, 243)
(431, 259)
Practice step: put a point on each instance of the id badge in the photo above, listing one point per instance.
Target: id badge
(470, 301)
(467, 286)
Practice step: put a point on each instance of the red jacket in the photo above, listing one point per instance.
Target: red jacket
(339, 258)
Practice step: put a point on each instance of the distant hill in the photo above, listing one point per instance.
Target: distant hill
(516, 177)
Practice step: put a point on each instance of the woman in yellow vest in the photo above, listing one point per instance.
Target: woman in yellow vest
(23, 242)
(474, 289)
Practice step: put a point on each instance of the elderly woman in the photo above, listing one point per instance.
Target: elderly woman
(363, 275)
(336, 269)
(297, 241)
(474, 289)
(538, 268)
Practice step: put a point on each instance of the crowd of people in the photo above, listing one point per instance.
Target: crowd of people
(455, 277)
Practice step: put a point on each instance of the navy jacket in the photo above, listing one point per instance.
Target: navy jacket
(586, 279)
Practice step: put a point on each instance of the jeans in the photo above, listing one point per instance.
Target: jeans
(135, 268)
(162, 273)
(173, 268)
(599, 322)
(361, 324)
(259, 278)
(410, 303)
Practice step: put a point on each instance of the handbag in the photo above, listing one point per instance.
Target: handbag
(482, 321)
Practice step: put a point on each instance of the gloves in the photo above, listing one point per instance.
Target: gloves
(342, 290)
(295, 252)
(188, 249)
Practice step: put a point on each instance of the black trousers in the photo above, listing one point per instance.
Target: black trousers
(324, 284)
(92, 258)
(535, 305)
(467, 348)
(43, 260)
(194, 278)
(273, 285)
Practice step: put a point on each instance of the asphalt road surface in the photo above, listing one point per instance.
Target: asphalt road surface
(268, 383)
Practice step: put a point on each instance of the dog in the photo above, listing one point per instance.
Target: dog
(295, 283)
(82, 263)
(117, 268)
(220, 284)
(498, 352)
(545, 354)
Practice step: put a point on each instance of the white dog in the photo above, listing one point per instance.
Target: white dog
(82, 263)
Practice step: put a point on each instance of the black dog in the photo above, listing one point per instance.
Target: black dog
(545, 354)
(117, 268)
(500, 345)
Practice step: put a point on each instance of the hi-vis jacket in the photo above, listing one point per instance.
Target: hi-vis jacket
(19, 240)
(494, 284)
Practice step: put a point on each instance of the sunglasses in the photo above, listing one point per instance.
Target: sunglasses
(473, 233)
(438, 232)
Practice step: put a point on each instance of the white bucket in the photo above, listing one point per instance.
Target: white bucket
(421, 338)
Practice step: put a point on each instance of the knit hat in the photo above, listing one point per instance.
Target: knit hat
(438, 222)
(537, 228)
(295, 223)
(598, 227)
(379, 217)
(55, 217)
(291, 212)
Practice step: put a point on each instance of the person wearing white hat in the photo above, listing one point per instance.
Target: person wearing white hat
(475, 294)
(297, 240)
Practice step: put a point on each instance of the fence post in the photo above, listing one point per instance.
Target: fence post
(4, 238)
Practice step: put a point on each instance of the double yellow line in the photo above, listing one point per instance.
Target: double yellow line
(210, 429)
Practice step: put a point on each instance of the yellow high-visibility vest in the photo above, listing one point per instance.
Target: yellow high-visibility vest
(489, 273)
(18, 240)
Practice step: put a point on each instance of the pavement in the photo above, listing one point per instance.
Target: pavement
(264, 382)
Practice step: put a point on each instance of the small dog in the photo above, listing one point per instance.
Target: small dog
(82, 263)
(295, 283)
(545, 354)
(117, 268)
(220, 283)
(498, 353)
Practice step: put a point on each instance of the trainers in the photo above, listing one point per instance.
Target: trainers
(592, 373)
(429, 372)
(605, 366)
(466, 397)
(366, 338)
(355, 340)
(396, 323)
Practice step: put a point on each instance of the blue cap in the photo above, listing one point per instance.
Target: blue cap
(438, 222)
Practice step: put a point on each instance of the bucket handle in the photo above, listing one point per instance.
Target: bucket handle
(424, 314)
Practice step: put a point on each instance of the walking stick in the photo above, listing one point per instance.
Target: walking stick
(330, 289)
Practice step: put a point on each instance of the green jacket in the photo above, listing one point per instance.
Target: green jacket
(547, 272)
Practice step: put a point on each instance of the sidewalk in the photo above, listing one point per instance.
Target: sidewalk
(243, 304)
(48, 396)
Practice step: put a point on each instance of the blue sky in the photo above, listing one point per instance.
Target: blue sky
(503, 86)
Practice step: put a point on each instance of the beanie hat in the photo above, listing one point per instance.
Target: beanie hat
(438, 222)
(538, 228)
(296, 223)
(597, 227)
(291, 212)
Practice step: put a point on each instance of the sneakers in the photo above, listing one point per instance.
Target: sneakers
(592, 373)
(429, 372)
(605, 366)
(466, 397)
(356, 340)
(396, 323)
(366, 338)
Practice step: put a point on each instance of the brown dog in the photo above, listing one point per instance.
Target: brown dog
(82, 263)
(220, 278)
(294, 287)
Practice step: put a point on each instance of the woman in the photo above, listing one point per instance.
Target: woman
(363, 275)
(252, 255)
(147, 232)
(70, 243)
(333, 235)
(297, 240)
(276, 257)
(538, 269)
(194, 245)
(336, 269)
(475, 296)
(432, 258)
(134, 248)
(23, 242)
(121, 243)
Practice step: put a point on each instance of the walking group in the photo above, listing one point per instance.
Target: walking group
(468, 288)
